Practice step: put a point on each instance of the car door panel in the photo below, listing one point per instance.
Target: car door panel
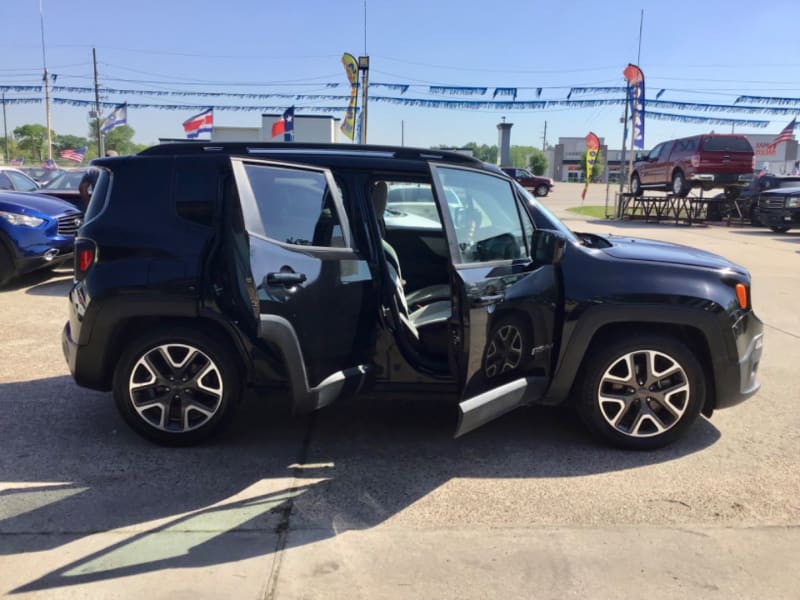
(504, 301)
(304, 273)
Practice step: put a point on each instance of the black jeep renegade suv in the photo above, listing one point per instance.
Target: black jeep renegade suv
(203, 268)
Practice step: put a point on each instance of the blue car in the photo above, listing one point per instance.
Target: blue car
(36, 232)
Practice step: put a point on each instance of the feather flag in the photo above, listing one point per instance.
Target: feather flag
(635, 78)
(592, 150)
(348, 126)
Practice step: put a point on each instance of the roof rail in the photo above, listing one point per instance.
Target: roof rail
(189, 147)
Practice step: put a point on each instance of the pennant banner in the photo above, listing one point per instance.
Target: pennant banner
(22, 100)
(597, 90)
(505, 92)
(460, 90)
(20, 88)
(397, 87)
(767, 100)
(706, 120)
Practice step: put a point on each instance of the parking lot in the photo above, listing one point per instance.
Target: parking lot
(377, 500)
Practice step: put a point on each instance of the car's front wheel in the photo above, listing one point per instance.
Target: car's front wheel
(642, 392)
(541, 190)
(6, 266)
(177, 386)
(780, 228)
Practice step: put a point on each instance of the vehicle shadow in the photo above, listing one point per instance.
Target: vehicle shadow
(71, 469)
(45, 282)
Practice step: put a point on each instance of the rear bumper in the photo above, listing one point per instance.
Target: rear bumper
(722, 179)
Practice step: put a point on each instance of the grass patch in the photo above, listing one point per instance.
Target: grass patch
(598, 212)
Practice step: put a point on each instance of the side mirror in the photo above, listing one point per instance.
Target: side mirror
(548, 247)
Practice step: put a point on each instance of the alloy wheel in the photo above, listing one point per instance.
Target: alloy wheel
(504, 352)
(643, 393)
(175, 388)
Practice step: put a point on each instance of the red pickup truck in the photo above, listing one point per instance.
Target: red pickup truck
(538, 186)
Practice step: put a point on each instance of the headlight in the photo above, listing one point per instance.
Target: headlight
(20, 219)
(793, 202)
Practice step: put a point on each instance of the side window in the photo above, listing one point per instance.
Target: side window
(296, 206)
(22, 183)
(5, 182)
(655, 152)
(486, 216)
(410, 204)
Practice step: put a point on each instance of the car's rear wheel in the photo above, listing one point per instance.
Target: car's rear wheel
(641, 392)
(636, 185)
(177, 386)
(541, 190)
(780, 228)
(679, 186)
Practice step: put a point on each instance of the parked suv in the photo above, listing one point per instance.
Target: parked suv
(704, 161)
(538, 186)
(779, 206)
(36, 232)
(205, 268)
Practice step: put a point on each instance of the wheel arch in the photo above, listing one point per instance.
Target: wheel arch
(129, 328)
(693, 328)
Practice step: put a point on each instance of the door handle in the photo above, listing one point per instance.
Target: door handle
(285, 278)
(489, 299)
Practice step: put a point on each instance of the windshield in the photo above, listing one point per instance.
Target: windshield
(69, 180)
(543, 218)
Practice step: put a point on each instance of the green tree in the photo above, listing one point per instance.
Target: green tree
(483, 152)
(9, 148)
(32, 139)
(63, 142)
(119, 139)
(537, 162)
(599, 167)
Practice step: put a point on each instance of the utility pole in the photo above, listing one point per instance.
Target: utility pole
(97, 106)
(402, 133)
(544, 138)
(46, 79)
(5, 129)
(363, 66)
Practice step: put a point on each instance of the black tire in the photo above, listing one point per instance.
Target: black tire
(755, 216)
(780, 228)
(508, 349)
(636, 185)
(6, 266)
(649, 417)
(679, 186)
(193, 391)
(541, 190)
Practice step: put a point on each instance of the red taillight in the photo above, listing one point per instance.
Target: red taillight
(85, 259)
(695, 160)
(85, 255)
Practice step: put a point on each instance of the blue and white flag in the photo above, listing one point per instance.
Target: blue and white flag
(117, 118)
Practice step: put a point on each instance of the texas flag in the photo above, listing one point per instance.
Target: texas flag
(200, 123)
(285, 125)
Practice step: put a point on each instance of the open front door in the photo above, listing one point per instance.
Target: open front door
(505, 294)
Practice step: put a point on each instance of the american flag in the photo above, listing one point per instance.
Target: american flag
(74, 154)
(787, 135)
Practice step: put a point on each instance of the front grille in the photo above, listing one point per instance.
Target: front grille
(68, 225)
(772, 202)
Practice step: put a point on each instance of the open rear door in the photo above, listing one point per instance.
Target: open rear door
(505, 294)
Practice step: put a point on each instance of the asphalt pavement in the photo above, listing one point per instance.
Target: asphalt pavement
(377, 500)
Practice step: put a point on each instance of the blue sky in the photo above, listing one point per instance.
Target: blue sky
(699, 51)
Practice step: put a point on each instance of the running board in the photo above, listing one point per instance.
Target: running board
(489, 405)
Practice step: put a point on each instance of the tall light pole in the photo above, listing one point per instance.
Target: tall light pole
(46, 79)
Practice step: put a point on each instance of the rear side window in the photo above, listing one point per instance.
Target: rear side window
(296, 206)
(726, 144)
